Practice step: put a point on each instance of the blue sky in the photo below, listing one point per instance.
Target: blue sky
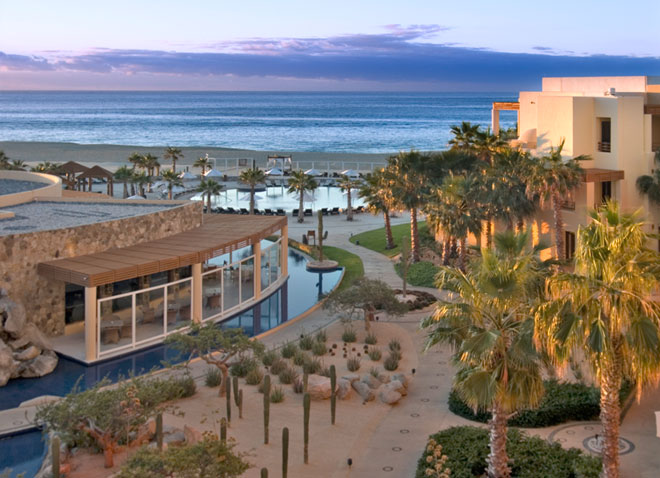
(320, 45)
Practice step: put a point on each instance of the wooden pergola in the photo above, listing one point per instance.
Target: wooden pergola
(503, 106)
(69, 171)
(97, 172)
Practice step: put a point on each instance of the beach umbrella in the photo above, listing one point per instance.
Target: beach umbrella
(213, 173)
(306, 197)
(246, 197)
(313, 172)
(351, 173)
(135, 197)
(274, 172)
(186, 176)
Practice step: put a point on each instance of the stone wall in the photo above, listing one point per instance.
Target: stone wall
(43, 298)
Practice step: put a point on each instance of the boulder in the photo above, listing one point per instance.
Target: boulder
(397, 386)
(27, 354)
(176, 438)
(192, 435)
(33, 335)
(39, 366)
(389, 396)
(370, 380)
(319, 387)
(8, 365)
(15, 317)
(344, 390)
(351, 377)
(18, 343)
(401, 378)
(363, 390)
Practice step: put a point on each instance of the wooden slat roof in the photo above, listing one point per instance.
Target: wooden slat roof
(218, 235)
(598, 175)
(506, 105)
(71, 167)
(96, 172)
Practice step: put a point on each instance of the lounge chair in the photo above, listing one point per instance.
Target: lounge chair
(308, 212)
(257, 211)
(334, 211)
(325, 211)
(244, 211)
(281, 212)
(231, 210)
(359, 209)
(268, 212)
(295, 213)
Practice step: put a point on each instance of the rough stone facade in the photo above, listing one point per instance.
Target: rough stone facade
(43, 298)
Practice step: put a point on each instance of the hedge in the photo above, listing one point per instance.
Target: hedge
(561, 403)
(530, 457)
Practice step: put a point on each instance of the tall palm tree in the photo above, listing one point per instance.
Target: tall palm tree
(410, 185)
(252, 177)
(173, 154)
(141, 180)
(377, 194)
(209, 188)
(150, 164)
(136, 159)
(202, 162)
(487, 145)
(124, 175)
(604, 312)
(300, 183)
(650, 185)
(553, 178)
(46, 167)
(172, 179)
(347, 185)
(464, 136)
(487, 318)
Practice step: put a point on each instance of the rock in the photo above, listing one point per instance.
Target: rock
(27, 354)
(39, 366)
(318, 387)
(8, 366)
(389, 396)
(401, 378)
(344, 390)
(18, 343)
(363, 390)
(370, 380)
(36, 337)
(15, 321)
(175, 438)
(192, 435)
(397, 386)
(351, 377)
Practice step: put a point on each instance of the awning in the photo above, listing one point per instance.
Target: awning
(599, 175)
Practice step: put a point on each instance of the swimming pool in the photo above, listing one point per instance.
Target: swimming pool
(279, 198)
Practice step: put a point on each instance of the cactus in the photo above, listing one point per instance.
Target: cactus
(306, 405)
(264, 473)
(285, 451)
(228, 395)
(235, 384)
(55, 451)
(223, 430)
(333, 396)
(320, 235)
(266, 407)
(240, 403)
(305, 379)
(159, 431)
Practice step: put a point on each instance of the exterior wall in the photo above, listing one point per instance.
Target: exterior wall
(44, 298)
(595, 86)
(52, 187)
(555, 122)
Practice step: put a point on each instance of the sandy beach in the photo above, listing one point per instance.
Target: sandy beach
(112, 156)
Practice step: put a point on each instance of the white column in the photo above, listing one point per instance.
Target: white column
(495, 120)
(197, 294)
(284, 250)
(91, 324)
(256, 275)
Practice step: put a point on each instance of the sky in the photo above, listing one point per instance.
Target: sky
(303, 45)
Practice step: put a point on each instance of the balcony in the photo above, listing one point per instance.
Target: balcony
(568, 205)
(604, 147)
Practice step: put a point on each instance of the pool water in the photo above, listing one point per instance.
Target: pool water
(279, 198)
(22, 453)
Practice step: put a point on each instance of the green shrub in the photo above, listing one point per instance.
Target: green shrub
(276, 395)
(391, 363)
(325, 372)
(243, 366)
(321, 336)
(254, 377)
(371, 339)
(562, 402)
(530, 457)
(421, 274)
(182, 387)
(287, 376)
(349, 335)
(300, 358)
(213, 377)
(277, 366)
(306, 342)
(374, 354)
(289, 350)
(318, 349)
(269, 357)
(353, 364)
(312, 365)
(394, 345)
(375, 372)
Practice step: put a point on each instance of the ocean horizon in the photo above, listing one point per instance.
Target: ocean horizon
(340, 122)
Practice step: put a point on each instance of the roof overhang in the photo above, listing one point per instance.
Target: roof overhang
(218, 235)
(506, 105)
(599, 175)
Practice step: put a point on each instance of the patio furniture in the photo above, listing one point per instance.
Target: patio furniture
(126, 331)
(308, 212)
(213, 301)
(268, 212)
(244, 211)
(281, 212)
(334, 211)
(111, 330)
(325, 211)
(148, 315)
(172, 310)
(185, 313)
(295, 212)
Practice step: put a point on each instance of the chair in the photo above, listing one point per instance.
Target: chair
(308, 212)
(213, 301)
(295, 212)
(281, 212)
(268, 212)
(325, 211)
(244, 211)
(359, 209)
(184, 312)
(334, 211)
(231, 210)
(148, 315)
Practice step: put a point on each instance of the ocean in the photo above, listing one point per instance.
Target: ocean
(323, 122)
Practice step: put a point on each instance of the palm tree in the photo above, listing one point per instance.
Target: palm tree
(377, 194)
(172, 179)
(4, 160)
(487, 318)
(136, 159)
(18, 165)
(300, 183)
(252, 177)
(465, 136)
(209, 188)
(604, 312)
(347, 185)
(650, 185)
(173, 154)
(124, 175)
(487, 145)
(150, 164)
(46, 167)
(202, 163)
(552, 177)
(409, 187)
(141, 179)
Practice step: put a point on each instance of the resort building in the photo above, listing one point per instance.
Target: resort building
(613, 120)
(103, 277)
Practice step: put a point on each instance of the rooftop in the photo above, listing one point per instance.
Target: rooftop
(47, 215)
(12, 186)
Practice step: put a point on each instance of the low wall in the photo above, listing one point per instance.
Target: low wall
(52, 187)
(44, 298)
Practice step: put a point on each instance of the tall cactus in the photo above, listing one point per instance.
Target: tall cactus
(264, 473)
(320, 235)
(307, 401)
(285, 451)
(333, 395)
(240, 403)
(159, 431)
(55, 452)
(235, 384)
(305, 380)
(266, 407)
(223, 430)
(228, 395)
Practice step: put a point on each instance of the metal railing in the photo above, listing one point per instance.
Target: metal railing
(604, 147)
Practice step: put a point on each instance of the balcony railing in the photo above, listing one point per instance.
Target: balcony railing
(568, 205)
(604, 147)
